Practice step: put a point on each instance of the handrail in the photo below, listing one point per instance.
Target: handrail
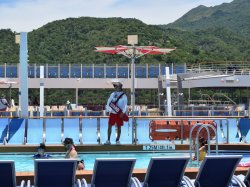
(98, 131)
(241, 137)
(8, 131)
(80, 129)
(25, 131)
(98, 134)
(221, 94)
(197, 139)
(44, 130)
(62, 130)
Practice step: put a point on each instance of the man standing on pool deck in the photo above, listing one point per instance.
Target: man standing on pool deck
(117, 107)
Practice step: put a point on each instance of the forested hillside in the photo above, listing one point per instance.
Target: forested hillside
(204, 34)
(219, 33)
(234, 16)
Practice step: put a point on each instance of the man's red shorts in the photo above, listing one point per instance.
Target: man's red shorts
(115, 119)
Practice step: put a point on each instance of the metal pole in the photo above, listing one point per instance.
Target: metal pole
(41, 108)
(10, 93)
(134, 135)
(77, 96)
(24, 74)
(168, 91)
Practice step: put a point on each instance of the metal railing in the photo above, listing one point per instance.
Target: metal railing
(91, 70)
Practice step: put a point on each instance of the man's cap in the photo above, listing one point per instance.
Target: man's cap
(68, 102)
(116, 82)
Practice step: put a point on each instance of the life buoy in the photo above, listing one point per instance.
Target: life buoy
(244, 164)
(171, 129)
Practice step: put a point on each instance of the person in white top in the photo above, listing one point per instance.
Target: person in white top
(117, 107)
(12, 103)
(3, 103)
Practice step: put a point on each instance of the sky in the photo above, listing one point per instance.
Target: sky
(28, 15)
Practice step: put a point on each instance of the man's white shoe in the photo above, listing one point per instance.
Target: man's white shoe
(107, 143)
(118, 142)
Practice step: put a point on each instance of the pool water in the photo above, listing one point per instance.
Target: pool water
(25, 162)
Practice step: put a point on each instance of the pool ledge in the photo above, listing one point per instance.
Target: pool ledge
(124, 147)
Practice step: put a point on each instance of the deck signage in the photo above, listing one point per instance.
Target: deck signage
(165, 147)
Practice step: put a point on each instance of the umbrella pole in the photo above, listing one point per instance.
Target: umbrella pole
(134, 132)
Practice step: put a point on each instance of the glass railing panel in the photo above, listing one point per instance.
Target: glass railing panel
(89, 131)
(163, 70)
(71, 129)
(3, 128)
(38, 72)
(31, 71)
(233, 130)
(153, 71)
(75, 71)
(99, 71)
(140, 72)
(126, 134)
(87, 72)
(111, 72)
(179, 69)
(53, 131)
(143, 131)
(64, 71)
(16, 131)
(35, 126)
(11, 71)
(2, 70)
(122, 72)
(52, 71)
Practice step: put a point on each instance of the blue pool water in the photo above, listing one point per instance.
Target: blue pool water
(25, 162)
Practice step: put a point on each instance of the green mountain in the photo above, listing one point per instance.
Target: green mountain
(234, 16)
(222, 37)
(217, 33)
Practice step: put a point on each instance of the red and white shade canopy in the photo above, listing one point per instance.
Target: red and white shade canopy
(136, 51)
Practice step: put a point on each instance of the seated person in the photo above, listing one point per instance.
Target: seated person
(202, 149)
(71, 152)
(41, 152)
(3, 103)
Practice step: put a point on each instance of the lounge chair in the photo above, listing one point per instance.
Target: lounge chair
(241, 180)
(8, 174)
(166, 171)
(217, 171)
(55, 172)
(247, 179)
(112, 172)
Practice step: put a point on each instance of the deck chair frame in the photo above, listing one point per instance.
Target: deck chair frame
(53, 173)
(8, 164)
(116, 161)
(163, 161)
(217, 158)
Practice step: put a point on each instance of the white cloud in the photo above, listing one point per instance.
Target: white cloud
(26, 15)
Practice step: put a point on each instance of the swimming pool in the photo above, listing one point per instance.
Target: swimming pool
(25, 162)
